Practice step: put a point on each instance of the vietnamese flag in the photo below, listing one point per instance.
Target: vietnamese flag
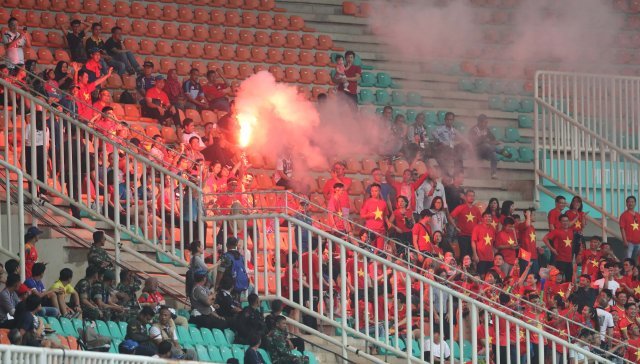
(524, 255)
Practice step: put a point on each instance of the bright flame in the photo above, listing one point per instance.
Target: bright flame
(247, 122)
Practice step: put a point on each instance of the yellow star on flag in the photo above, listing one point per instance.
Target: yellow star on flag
(491, 340)
(360, 273)
(594, 263)
(567, 242)
(494, 224)
(638, 355)
(378, 213)
(532, 236)
(561, 294)
(578, 224)
(510, 241)
(562, 333)
(635, 225)
(426, 237)
(470, 217)
(487, 240)
(637, 290)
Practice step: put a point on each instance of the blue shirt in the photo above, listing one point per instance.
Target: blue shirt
(445, 135)
(32, 283)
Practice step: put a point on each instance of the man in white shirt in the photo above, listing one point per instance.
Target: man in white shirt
(284, 169)
(605, 319)
(607, 281)
(14, 42)
(188, 132)
(431, 188)
(439, 348)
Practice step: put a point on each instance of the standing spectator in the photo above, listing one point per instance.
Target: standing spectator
(401, 220)
(338, 176)
(216, 90)
(486, 145)
(252, 355)
(203, 314)
(439, 219)
(40, 140)
(96, 41)
(374, 212)
(507, 244)
(482, 242)
(74, 40)
(386, 190)
(630, 228)
(9, 300)
(422, 233)
(407, 187)
(30, 251)
(157, 105)
(353, 74)
(450, 145)
(15, 41)
(284, 168)
(137, 331)
(50, 308)
(146, 80)
(173, 89)
(311, 269)
(97, 256)
(559, 243)
(527, 239)
(114, 46)
(578, 221)
(193, 91)
(65, 290)
(554, 214)
(95, 65)
(232, 265)
(429, 189)
(467, 216)
(63, 75)
(336, 216)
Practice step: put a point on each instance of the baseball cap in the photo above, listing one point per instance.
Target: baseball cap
(482, 117)
(23, 289)
(94, 50)
(159, 78)
(148, 64)
(32, 232)
(200, 273)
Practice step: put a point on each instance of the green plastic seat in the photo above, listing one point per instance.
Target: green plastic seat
(196, 336)
(265, 306)
(67, 327)
(366, 97)
(414, 99)
(525, 121)
(514, 154)
(467, 350)
(383, 80)
(382, 97)
(396, 112)
(230, 335)
(511, 104)
(514, 87)
(411, 116)
(203, 353)
(220, 338)
(497, 132)
(334, 56)
(482, 86)
(127, 236)
(466, 84)
(367, 79)
(430, 117)
(55, 325)
(184, 313)
(214, 354)
(460, 126)
(511, 135)
(102, 328)
(430, 129)
(77, 324)
(238, 351)
(266, 357)
(115, 330)
(398, 98)
(226, 353)
(115, 343)
(497, 87)
(123, 327)
(311, 356)
(415, 349)
(525, 155)
(441, 115)
(496, 103)
(207, 336)
(184, 337)
(392, 342)
(526, 105)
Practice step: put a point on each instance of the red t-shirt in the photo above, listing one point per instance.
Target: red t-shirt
(94, 67)
(314, 272)
(423, 232)
(633, 354)
(84, 105)
(335, 206)
(214, 91)
(356, 269)
(327, 190)
(630, 224)
(484, 237)
(352, 71)
(527, 239)
(155, 93)
(295, 279)
(562, 241)
(552, 218)
(399, 219)
(376, 221)
(467, 217)
(503, 238)
(578, 225)
(151, 297)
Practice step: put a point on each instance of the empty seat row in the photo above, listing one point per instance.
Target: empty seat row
(497, 86)
(395, 98)
(363, 9)
(511, 104)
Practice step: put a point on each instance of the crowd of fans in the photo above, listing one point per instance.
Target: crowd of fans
(576, 287)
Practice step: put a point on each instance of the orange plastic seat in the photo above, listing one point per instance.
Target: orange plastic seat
(169, 13)
(154, 12)
(185, 14)
(317, 91)
(30, 54)
(54, 39)
(218, 3)
(248, 20)
(258, 55)
(349, 8)
(231, 36)
(227, 52)
(200, 33)
(183, 67)
(273, 56)
(251, 4)
(90, 19)
(259, 68)
(245, 37)
(138, 10)
(324, 43)
(323, 77)
(289, 57)
(178, 49)
(162, 48)
(232, 18)
(154, 30)
(277, 40)
(138, 28)
(277, 72)
(185, 32)
(292, 40)
(309, 41)
(365, 10)
(107, 23)
(128, 82)
(200, 66)
(212, 66)
(200, 16)
(261, 38)
(217, 17)
(114, 81)
(47, 20)
(210, 51)
(146, 47)
(265, 21)
(194, 50)
(131, 112)
(304, 91)
(166, 65)
(45, 56)
(169, 134)
(131, 45)
(209, 116)
(38, 38)
(305, 58)
(244, 71)
(216, 34)
(18, 14)
(56, 5)
(234, 4)
(121, 9)
(62, 55)
(267, 5)
(280, 22)
(169, 31)
(124, 24)
(296, 23)
(307, 76)
(42, 5)
(62, 18)
(230, 70)
(291, 74)
(32, 19)
(242, 53)
(88, 7)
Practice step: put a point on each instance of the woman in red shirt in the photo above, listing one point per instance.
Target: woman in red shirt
(578, 220)
(493, 207)
(401, 221)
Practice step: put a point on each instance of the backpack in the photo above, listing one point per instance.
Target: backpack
(238, 272)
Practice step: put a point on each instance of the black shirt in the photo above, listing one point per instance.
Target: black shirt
(76, 48)
(91, 43)
(584, 297)
(252, 357)
(227, 304)
(112, 44)
(453, 195)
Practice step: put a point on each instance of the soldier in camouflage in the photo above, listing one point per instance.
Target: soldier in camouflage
(127, 290)
(90, 311)
(279, 347)
(103, 296)
(138, 332)
(97, 255)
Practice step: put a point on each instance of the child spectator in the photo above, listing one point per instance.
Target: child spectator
(339, 77)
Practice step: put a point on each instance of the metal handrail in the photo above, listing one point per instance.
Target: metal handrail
(20, 201)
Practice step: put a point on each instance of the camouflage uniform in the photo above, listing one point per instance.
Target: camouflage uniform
(99, 257)
(133, 305)
(279, 350)
(138, 332)
(99, 290)
(84, 289)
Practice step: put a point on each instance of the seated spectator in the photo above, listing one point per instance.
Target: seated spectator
(15, 41)
(158, 150)
(107, 124)
(104, 100)
(173, 89)
(94, 42)
(51, 86)
(252, 355)
(146, 80)
(279, 347)
(50, 297)
(450, 145)
(157, 106)
(439, 348)
(486, 145)
(228, 306)
(94, 65)
(127, 290)
(215, 91)
(277, 308)
(104, 299)
(165, 331)
(138, 332)
(251, 320)
(203, 313)
(188, 131)
(68, 299)
(150, 295)
(90, 311)
(165, 350)
(193, 92)
(9, 300)
(32, 328)
(114, 46)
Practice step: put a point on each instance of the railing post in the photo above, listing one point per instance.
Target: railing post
(474, 333)
(343, 299)
(536, 136)
(603, 189)
(116, 212)
(20, 220)
(276, 229)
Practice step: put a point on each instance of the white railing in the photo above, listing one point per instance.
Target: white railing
(575, 150)
(12, 226)
(85, 169)
(377, 313)
(27, 355)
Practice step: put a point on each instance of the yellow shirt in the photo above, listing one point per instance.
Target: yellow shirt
(68, 289)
